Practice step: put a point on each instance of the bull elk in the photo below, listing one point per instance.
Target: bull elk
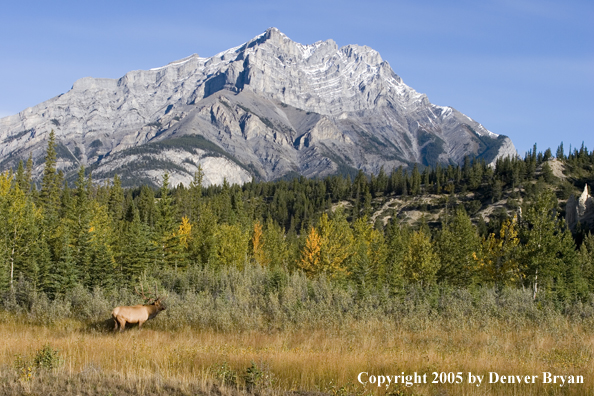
(138, 313)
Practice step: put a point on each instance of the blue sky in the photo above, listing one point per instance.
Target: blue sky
(522, 68)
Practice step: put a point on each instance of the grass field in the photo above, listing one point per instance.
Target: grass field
(188, 361)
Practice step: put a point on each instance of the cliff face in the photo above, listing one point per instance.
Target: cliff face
(268, 108)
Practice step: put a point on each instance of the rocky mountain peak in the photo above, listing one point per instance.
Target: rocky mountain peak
(268, 108)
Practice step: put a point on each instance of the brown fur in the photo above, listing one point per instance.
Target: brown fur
(136, 314)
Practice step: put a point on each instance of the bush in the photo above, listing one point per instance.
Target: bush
(47, 358)
(262, 299)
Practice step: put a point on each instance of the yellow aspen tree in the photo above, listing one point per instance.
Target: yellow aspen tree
(184, 232)
(232, 244)
(310, 255)
(336, 239)
(497, 258)
(421, 262)
(257, 244)
(19, 232)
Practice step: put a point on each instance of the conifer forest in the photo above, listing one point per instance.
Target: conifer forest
(55, 237)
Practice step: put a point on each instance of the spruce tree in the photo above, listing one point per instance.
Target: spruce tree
(63, 274)
(545, 248)
(137, 250)
(456, 244)
(116, 200)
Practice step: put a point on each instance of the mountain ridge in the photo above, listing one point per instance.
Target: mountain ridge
(274, 106)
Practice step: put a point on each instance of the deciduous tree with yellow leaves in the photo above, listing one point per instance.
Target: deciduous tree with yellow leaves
(497, 259)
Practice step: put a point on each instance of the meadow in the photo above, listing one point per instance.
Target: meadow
(235, 332)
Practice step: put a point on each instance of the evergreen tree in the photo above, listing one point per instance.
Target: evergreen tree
(496, 190)
(196, 193)
(203, 242)
(397, 238)
(275, 247)
(586, 261)
(415, 187)
(367, 263)
(146, 206)
(165, 235)
(64, 274)
(116, 200)
(80, 227)
(547, 172)
(456, 245)
(545, 250)
(137, 252)
(50, 184)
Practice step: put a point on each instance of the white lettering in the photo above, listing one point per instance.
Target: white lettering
(359, 377)
(493, 377)
(546, 378)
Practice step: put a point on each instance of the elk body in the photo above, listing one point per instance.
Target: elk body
(137, 313)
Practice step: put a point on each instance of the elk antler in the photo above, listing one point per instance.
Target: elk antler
(145, 298)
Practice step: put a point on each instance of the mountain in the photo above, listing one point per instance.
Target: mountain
(270, 108)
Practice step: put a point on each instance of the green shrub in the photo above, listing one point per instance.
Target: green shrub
(47, 358)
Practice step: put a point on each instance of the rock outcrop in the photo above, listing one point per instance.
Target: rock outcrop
(269, 108)
(580, 210)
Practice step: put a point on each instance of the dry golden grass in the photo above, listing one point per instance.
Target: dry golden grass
(188, 361)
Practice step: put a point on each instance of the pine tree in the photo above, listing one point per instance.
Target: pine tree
(456, 244)
(101, 242)
(545, 254)
(50, 184)
(196, 193)
(29, 187)
(146, 206)
(137, 252)
(64, 274)
(415, 188)
(397, 238)
(165, 235)
(203, 242)
(547, 172)
(275, 245)
(367, 264)
(586, 261)
(80, 227)
(116, 200)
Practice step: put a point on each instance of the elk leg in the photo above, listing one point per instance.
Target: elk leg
(122, 324)
(140, 324)
(115, 321)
